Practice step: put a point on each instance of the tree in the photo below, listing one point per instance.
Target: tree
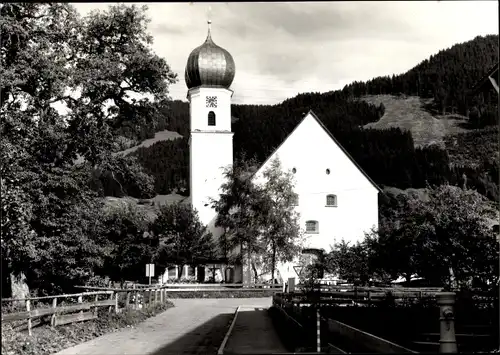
(445, 239)
(90, 66)
(258, 216)
(237, 211)
(350, 262)
(184, 240)
(130, 244)
(281, 234)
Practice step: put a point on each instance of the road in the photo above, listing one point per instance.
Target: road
(193, 326)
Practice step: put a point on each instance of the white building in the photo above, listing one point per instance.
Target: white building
(336, 198)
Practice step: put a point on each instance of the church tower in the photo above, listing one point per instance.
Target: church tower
(209, 73)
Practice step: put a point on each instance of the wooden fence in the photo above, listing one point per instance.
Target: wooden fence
(79, 311)
(61, 313)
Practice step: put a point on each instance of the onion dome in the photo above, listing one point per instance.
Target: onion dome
(209, 65)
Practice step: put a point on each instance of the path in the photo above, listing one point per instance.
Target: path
(193, 326)
(253, 333)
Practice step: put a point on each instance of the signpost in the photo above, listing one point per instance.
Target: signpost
(150, 271)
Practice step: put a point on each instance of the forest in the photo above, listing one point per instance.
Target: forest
(388, 156)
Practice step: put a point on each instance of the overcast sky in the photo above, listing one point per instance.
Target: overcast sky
(281, 49)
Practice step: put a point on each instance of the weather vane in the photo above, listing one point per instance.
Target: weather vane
(209, 17)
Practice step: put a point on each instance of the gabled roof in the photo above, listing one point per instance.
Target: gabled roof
(487, 78)
(332, 137)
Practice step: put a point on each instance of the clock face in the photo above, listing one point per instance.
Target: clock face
(211, 101)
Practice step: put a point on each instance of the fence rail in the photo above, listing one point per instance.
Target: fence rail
(61, 314)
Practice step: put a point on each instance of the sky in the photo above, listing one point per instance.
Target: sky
(282, 49)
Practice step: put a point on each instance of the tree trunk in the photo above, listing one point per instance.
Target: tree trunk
(273, 263)
(255, 273)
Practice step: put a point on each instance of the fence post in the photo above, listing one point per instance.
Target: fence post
(80, 301)
(96, 298)
(156, 295)
(117, 296)
(53, 316)
(111, 298)
(447, 340)
(150, 294)
(28, 309)
(136, 299)
(127, 301)
(143, 298)
(161, 296)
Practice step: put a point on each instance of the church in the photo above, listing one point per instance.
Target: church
(336, 199)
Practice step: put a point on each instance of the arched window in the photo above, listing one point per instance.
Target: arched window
(331, 200)
(312, 227)
(211, 118)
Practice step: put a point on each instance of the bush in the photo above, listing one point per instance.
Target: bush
(46, 340)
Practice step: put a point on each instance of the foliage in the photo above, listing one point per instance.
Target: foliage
(258, 215)
(447, 240)
(281, 234)
(236, 212)
(168, 163)
(130, 245)
(183, 239)
(350, 262)
(90, 67)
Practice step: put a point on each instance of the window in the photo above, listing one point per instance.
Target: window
(331, 200)
(312, 227)
(327, 171)
(295, 200)
(211, 118)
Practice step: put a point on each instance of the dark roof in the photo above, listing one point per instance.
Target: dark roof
(332, 137)
(493, 71)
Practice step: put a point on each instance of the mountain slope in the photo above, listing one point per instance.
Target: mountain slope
(389, 155)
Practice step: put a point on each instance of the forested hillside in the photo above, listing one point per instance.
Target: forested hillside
(446, 77)
(388, 156)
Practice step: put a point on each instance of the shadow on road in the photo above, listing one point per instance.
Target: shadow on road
(204, 339)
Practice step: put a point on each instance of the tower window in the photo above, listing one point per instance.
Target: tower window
(312, 227)
(331, 200)
(211, 118)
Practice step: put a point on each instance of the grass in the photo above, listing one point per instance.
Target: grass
(164, 135)
(409, 113)
(47, 340)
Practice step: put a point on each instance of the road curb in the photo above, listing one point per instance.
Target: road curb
(224, 342)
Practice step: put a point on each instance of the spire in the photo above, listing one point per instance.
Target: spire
(209, 36)
(209, 22)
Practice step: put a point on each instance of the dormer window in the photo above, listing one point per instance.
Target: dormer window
(312, 227)
(331, 200)
(295, 200)
(211, 118)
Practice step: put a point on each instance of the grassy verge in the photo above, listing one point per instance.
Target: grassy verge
(222, 294)
(46, 340)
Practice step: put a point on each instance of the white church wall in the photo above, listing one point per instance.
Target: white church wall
(311, 151)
